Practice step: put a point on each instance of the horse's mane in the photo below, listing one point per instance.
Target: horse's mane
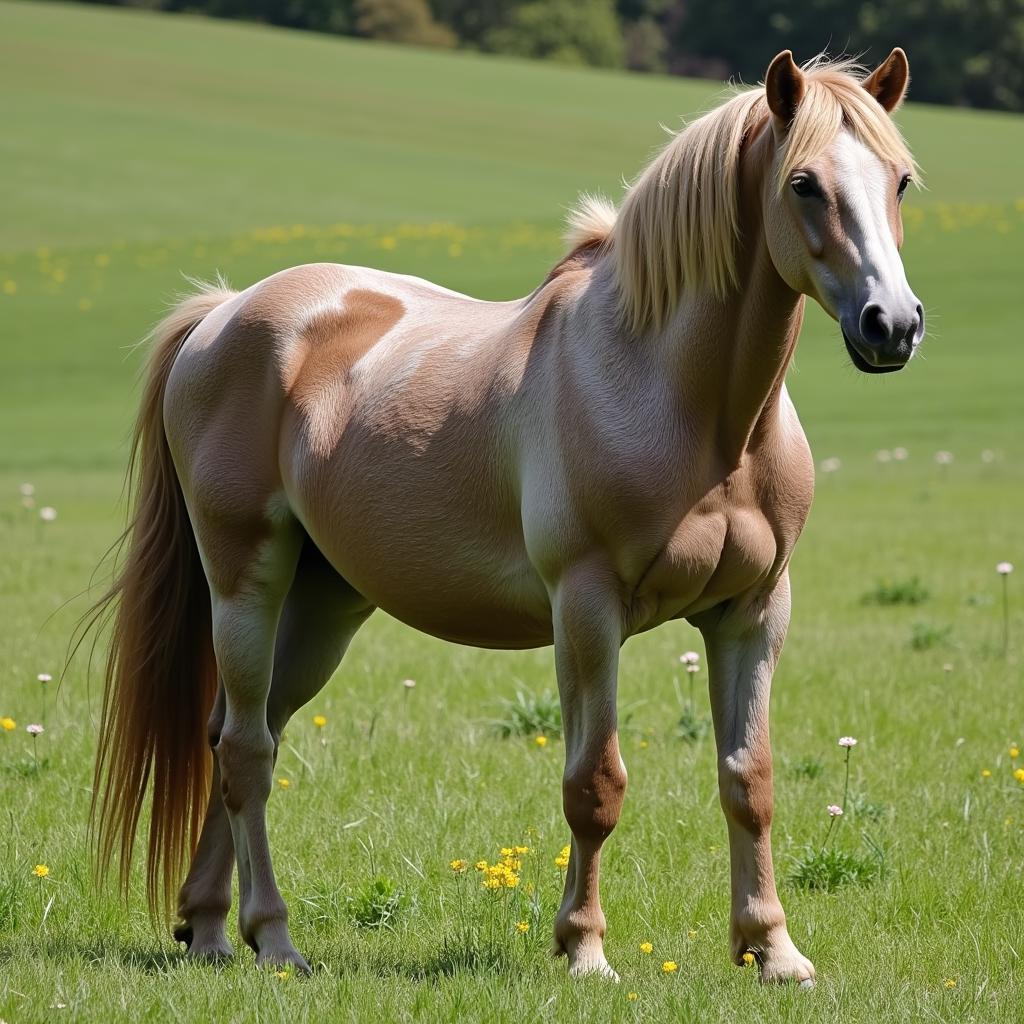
(679, 221)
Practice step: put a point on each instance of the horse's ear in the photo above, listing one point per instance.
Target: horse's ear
(784, 87)
(888, 82)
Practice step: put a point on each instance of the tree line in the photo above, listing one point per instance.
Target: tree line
(962, 52)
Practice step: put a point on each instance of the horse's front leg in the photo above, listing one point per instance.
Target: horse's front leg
(743, 645)
(588, 633)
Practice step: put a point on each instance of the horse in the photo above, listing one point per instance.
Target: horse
(615, 451)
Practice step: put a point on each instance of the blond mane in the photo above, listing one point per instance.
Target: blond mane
(679, 221)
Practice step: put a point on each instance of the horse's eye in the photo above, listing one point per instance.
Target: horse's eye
(803, 186)
(904, 182)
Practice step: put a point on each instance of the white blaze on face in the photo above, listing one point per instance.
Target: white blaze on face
(864, 192)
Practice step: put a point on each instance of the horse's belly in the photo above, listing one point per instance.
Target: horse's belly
(427, 539)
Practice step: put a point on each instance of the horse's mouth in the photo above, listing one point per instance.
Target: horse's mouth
(862, 364)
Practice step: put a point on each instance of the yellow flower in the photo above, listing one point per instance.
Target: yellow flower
(10, 287)
(986, 773)
(1019, 774)
(669, 966)
(458, 866)
(283, 783)
(748, 958)
(8, 724)
(283, 975)
(643, 744)
(319, 721)
(522, 927)
(562, 860)
(950, 983)
(1014, 751)
(646, 947)
(632, 997)
(520, 850)
(480, 865)
(692, 934)
(541, 741)
(492, 883)
(506, 851)
(40, 871)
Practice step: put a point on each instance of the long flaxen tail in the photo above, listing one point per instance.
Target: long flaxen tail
(161, 674)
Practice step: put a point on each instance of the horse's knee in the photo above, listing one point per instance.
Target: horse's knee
(593, 790)
(745, 788)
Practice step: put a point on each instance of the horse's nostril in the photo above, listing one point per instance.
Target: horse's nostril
(875, 325)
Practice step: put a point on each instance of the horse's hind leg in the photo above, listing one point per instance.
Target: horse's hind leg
(321, 615)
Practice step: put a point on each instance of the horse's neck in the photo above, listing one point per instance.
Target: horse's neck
(730, 355)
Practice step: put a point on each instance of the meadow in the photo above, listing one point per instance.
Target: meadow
(137, 148)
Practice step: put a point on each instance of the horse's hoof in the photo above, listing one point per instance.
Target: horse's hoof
(205, 945)
(282, 959)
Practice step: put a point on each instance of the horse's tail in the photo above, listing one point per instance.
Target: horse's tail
(161, 675)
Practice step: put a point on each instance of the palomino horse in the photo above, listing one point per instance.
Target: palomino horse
(612, 452)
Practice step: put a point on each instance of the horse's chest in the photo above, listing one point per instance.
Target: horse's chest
(731, 542)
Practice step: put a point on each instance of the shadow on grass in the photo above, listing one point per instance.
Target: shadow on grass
(147, 959)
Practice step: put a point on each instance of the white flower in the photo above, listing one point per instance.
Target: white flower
(47, 513)
(988, 455)
(409, 683)
(689, 658)
(830, 465)
(1004, 568)
(27, 490)
(900, 454)
(884, 455)
(34, 730)
(44, 677)
(943, 458)
(693, 668)
(847, 741)
(834, 810)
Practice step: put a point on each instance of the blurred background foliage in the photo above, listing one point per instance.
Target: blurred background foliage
(963, 52)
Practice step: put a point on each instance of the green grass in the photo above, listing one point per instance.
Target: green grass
(137, 147)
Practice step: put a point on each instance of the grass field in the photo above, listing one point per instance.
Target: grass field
(136, 147)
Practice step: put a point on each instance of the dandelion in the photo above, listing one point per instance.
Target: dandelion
(692, 934)
(644, 744)
(47, 513)
(1014, 751)
(1004, 569)
(282, 975)
(646, 947)
(540, 741)
(748, 958)
(41, 871)
(458, 866)
(986, 773)
(319, 721)
(8, 724)
(521, 850)
(830, 465)
(522, 927)
(562, 860)
(670, 966)
(480, 865)
(284, 783)
(1019, 774)
(632, 997)
(900, 454)
(950, 983)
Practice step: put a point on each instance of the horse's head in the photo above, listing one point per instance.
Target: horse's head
(832, 204)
